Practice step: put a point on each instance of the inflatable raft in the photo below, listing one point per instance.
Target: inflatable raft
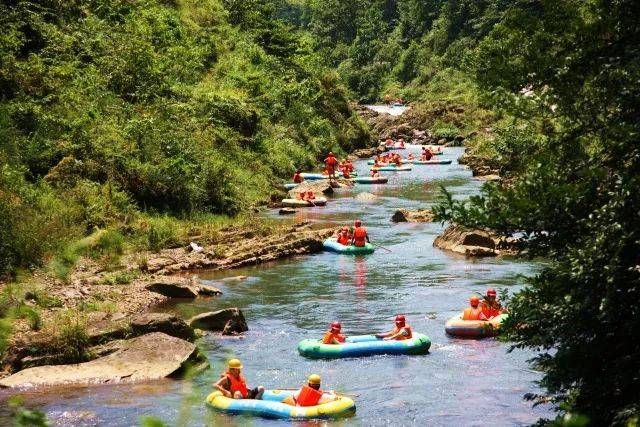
(290, 185)
(432, 162)
(332, 245)
(371, 180)
(474, 328)
(314, 176)
(297, 203)
(271, 406)
(364, 345)
(392, 168)
(373, 162)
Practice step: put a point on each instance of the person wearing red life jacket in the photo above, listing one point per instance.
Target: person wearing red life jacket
(360, 235)
(426, 154)
(490, 305)
(402, 330)
(333, 336)
(344, 237)
(389, 142)
(410, 157)
(349, 166)
(375, 174)
(332, 164)
(233, 385)
(474, 312)
(297, 177)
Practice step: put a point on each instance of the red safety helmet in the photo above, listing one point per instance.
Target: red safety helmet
(400, 319)
(358, 223)
(474, 301)
(491, 291)
(336, 326)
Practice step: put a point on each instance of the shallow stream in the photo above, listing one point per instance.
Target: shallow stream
(461, 382)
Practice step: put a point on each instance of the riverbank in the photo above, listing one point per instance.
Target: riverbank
(94, 298)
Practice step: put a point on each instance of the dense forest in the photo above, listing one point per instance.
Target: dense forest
(132, 115)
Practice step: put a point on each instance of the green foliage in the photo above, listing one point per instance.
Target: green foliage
(109, 109)
(22, 417)
(70, 337)
(573, 162)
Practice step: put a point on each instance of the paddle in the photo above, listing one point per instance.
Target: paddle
(381, 247)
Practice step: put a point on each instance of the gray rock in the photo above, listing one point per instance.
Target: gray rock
(149, 357)
(404, 215)
(287, 211)
(175, 287)
(365, 197)
(162, 322)
(474, 243)
(229, 321)
(319, 186)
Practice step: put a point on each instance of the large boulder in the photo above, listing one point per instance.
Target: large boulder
(404, 215)
(229, 321)
(180, 287)
(149, 357)
(162, 322)
(365, 197)
(474, 243)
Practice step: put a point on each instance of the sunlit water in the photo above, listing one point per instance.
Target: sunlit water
(389, 109)
(461, 382)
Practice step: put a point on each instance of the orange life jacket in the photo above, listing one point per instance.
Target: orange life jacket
(331, 162)
(329, 337)
(402, 337)
(297, 178)
(343, 239)
(488, 311)
(238, 384)
(308, 396)
(471, 313)
(360, 236)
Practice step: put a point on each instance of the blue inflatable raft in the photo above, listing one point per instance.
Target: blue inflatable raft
(364, 345)
(271, 406)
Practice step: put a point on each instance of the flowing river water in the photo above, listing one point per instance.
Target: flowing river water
(460, 382)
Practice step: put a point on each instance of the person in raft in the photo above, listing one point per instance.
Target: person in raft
(389, 142)
(233, 385)
(474, 312)
(297, 177)
(332, 164)
(309, 395)
(344, 237)
(333, 335)
(410, 157)
(360, 235)
(401, 142)
(426, 154)
(375, 174)
(490, 305)
(402, 331)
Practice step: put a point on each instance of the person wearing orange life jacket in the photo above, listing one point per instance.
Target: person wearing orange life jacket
(490, 305)
(402, 331)
(474, 312)
(426, 154)
(389, 142)
(310, 394)
(344, 237)
(410, 157)
(333, 336)
(233, 385)
(375, 174)
(297, 177)
(349, 165)
(332, 164)
(360, 235)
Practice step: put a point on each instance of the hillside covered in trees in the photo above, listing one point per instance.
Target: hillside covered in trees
(131, 115)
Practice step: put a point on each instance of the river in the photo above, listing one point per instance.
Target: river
(460, 382)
